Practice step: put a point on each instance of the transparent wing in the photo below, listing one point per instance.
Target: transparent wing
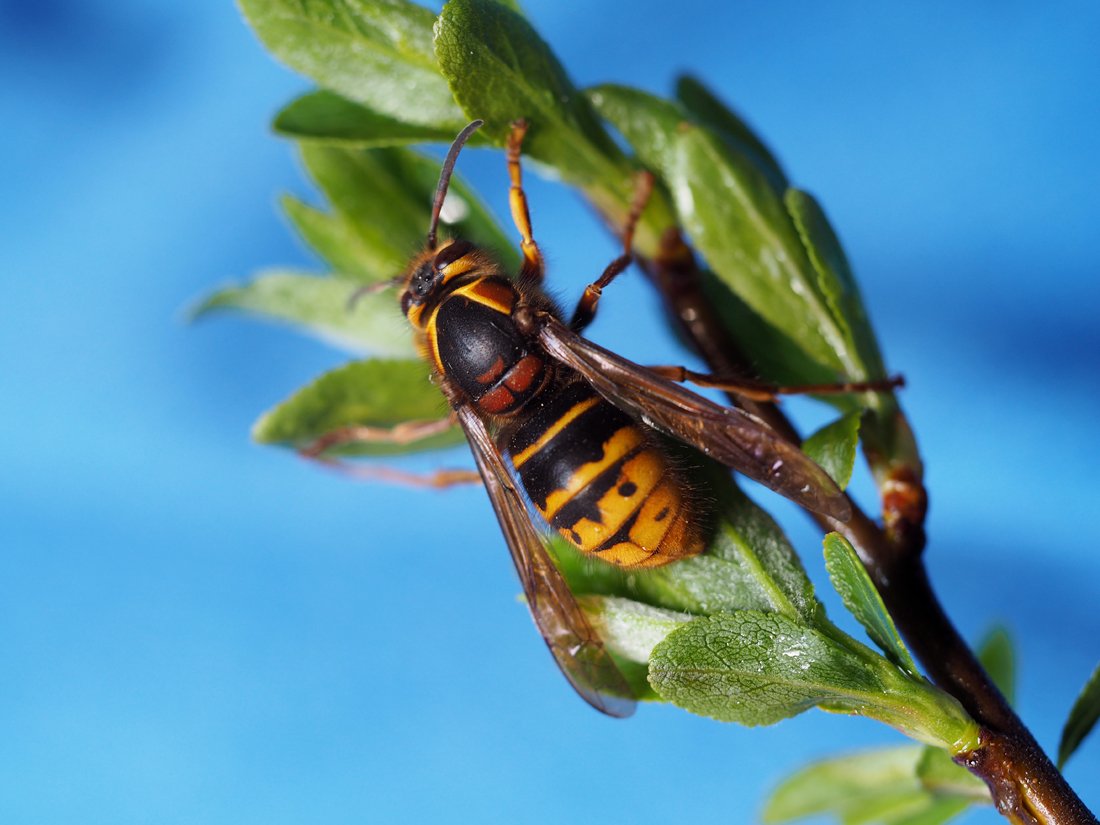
(728, 434)
(577, 648)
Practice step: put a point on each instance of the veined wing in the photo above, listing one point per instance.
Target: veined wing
(728, 434)
(576, 646)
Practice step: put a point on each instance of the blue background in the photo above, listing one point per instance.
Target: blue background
(196, 629)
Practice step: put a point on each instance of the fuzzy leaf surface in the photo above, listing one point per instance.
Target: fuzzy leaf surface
(758, 668)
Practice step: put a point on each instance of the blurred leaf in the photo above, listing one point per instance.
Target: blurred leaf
(863, 601)
(706, 109)
(833, 447)
(371, 393)
(326, 117)
(758, 668)
(748, 565)
(998, 657)
(939, 773)
(374, 52)
(880, 785)
(833, 786)
(384, 196)
(336, 240)
(1082, 718)
(374, 325)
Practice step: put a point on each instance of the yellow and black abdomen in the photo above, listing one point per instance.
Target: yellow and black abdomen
(601, 481)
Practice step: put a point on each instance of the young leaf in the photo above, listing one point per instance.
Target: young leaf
(758, 668)
(375, 393)
(833, 447)
(374, 325)
(374, 52)
(706, 109)
(998, 657)
(863, 601)
(326, 117)
(1082, 718)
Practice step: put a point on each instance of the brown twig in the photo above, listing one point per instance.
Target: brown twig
(1025, 785)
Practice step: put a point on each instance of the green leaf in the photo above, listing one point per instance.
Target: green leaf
(1082, 718)
(748, 565)
(631, 629)
(833, 447)
(706, 109)
(881, 785)
(834, 280)
(863, 601)
(326, 117)
(336, 240)
(500, 70)
(727, 199)
(840, 784)
(320, 306)
(998, 657)
(375, 393)
(758, 668)
(942, 775)
(374, 52)
(384, 197)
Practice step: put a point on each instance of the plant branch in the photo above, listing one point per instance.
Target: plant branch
(1025, 785)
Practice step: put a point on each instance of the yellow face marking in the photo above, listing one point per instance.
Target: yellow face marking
(521, 457)
(622, 442)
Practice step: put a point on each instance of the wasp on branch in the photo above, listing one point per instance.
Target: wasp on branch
(578, 424)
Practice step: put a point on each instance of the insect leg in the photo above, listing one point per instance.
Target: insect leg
(533, 266)
(760, 391)
(586, 307)
(404, 433)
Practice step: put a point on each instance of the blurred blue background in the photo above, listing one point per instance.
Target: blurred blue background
(196, 629)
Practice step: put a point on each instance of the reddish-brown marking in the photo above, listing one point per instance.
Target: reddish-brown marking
(493, 373)
(524, 374)
(497, 401)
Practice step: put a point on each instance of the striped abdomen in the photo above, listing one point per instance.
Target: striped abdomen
(600, 481)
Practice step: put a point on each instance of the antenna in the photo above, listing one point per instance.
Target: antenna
(445, 177)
